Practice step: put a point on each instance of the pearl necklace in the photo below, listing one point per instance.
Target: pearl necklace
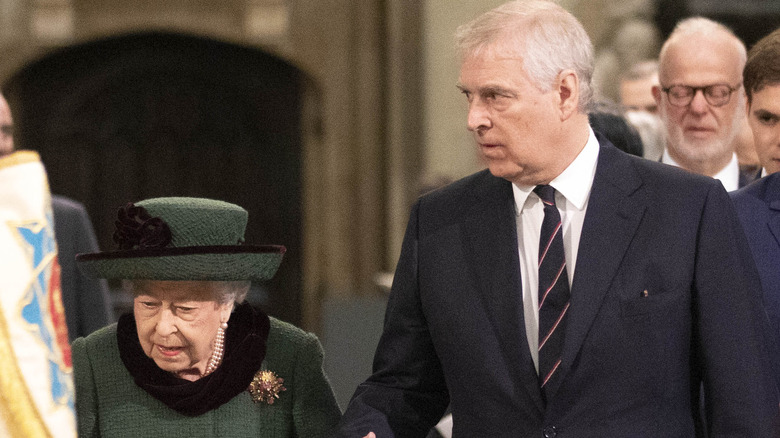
(219, 350)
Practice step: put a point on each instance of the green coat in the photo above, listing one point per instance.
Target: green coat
(110, 404)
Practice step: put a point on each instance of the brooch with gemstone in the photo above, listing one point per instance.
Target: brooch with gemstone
(266, 386)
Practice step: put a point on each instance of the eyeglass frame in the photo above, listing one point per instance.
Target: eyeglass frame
(703, 91)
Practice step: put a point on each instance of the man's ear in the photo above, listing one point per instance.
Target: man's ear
(657, 94)
(747, 104)
(568, 89)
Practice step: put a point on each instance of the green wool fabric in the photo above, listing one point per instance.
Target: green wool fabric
(109, 404)
(199, 221)
(206, 243)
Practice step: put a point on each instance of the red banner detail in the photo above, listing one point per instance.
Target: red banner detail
(57, 314)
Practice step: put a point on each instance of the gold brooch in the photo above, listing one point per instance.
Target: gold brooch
(266, 386)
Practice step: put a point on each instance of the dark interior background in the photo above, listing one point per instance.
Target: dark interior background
(161, 114)
(751, 20)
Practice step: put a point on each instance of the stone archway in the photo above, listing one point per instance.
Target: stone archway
(163, 114)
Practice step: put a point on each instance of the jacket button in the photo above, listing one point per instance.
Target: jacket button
(550, 432)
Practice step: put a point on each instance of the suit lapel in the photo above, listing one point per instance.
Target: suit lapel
(774, 220)
(772, 196)
(490, 234)
(611, 220)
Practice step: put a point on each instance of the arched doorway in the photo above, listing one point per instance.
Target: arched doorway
(162, 114)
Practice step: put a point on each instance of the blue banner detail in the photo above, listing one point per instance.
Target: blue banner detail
(36, 311)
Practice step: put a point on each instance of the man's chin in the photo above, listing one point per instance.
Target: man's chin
(701, 149)
(501, 171)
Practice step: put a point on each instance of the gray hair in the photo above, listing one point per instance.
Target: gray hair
(702, 26)
(225, 292)
(544, 35)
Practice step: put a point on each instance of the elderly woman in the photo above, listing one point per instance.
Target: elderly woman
(192, 360)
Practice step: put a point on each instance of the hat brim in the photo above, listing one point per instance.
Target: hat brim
(207, 263)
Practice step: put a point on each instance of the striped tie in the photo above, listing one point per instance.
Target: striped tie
(553, 289)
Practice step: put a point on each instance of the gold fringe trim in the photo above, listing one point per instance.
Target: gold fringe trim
(17, 407)
(19, 157)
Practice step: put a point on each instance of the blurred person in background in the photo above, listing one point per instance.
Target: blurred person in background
(641, 109)
(700, 100)
(87, 301)
(758, 204)
(607, 119)
(762, 85)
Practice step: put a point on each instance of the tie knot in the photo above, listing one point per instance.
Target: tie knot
(546, 193)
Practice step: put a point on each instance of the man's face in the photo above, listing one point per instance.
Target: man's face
(637, 94)
(764, 120)
(700, 132)
(6, 129)
(513, 122)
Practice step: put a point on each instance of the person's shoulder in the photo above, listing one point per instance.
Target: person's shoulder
(766, 188)
(100, 336)
(70, 216)
(100, 343)
(288, 333)
(288, 344)
(667, 179)
(475, 193)
(465, 186)
(64, 204)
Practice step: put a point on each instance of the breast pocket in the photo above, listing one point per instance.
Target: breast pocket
(648, 301)
(656, 288)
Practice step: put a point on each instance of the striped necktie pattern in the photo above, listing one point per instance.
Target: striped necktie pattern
(554, 293)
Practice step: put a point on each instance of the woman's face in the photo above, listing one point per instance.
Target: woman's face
(177, 323)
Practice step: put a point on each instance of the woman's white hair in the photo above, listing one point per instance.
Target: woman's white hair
(544, 35)
(224, 291)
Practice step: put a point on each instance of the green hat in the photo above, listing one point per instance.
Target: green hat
(182, 239)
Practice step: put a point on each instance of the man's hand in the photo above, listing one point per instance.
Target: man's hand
(370, 435)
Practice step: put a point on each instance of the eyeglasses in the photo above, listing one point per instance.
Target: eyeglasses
(716, 94)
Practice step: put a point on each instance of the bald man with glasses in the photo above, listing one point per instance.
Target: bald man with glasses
(700, 99)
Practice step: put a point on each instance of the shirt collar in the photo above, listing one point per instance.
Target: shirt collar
(574, 182)
(728, 176)
(667, 159)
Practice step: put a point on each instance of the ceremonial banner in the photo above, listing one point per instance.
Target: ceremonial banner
(36, 375)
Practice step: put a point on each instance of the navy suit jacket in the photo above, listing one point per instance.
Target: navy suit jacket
(86, 300)
(632, 365)
(758, 206)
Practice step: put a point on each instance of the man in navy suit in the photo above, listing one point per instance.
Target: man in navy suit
(86, 301)
(653, 291)
(758, 204)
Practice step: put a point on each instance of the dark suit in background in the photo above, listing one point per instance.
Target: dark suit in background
(86, 300)
(758, 206)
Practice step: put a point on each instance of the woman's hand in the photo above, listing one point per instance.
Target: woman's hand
(370, 435)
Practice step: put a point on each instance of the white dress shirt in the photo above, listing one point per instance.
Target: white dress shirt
(728, 176)
(572, 190)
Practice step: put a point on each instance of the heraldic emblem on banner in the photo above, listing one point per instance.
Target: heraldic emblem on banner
(36, 375)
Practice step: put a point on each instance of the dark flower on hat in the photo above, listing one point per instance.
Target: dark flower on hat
(137, 229)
